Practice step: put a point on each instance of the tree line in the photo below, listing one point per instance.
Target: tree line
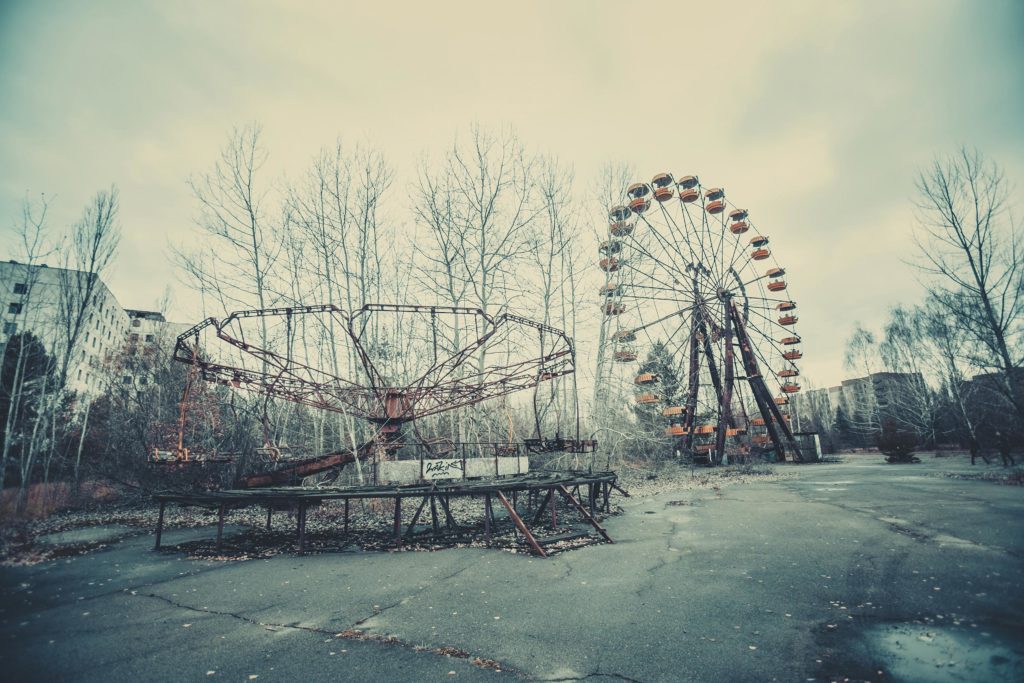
(955, 357)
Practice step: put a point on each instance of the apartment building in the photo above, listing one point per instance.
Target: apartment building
(32, 302)
(880, 393)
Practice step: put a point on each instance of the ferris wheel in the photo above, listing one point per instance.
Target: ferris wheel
(701, 320)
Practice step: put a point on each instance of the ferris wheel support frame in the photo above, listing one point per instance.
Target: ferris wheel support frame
(694, 385)
(725, 420)
(769, 411)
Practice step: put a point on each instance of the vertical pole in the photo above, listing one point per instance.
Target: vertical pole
(487, 519)
(302, 528)
(725, 399)
(346, 516)
(398, 521)
(607, 495)
(433, 515)
(693, 380)
(220, 525)
(554, 510)
(160, 525)
(269, 510)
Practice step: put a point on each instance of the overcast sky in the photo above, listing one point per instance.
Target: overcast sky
(815, 116)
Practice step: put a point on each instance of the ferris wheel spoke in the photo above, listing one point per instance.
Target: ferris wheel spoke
(669, 269)
(677, 238)
(633, 268)
(665, 244)
(662, 319)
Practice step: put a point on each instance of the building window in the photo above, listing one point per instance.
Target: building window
(136, 322)
(20, 288)
(149, 337)
(10, 328)
(14, 307)
(134, 338)
(127, 379)
(142, 381)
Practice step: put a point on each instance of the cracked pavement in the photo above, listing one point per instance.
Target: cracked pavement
(781, 580)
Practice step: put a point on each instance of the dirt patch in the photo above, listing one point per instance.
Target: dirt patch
(645, 481)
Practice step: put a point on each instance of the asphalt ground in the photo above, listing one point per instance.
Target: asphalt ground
(856, 570)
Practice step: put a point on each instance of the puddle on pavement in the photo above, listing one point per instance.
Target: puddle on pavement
(912, 652)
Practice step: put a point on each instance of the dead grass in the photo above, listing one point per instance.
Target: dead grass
(43, 500)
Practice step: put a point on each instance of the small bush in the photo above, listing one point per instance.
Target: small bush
(896, 443)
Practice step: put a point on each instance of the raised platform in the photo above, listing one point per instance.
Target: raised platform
(585, 492)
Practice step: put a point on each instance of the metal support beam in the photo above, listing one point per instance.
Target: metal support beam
(583, 511)
(220, 524)
(765, 403)
(520, 524)
(487, 519)
(398, 522)
(302, 528)
(160, 525)
(725, 420)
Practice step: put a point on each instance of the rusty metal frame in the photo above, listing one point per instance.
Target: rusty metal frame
(437, 389)
(598, 484)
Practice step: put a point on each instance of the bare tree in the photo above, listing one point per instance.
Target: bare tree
(239, 241)
(31, 230)
(477, 206)
(906, 350)
(611, 186)
(336, 206)
(87, 256)
(971, 248)
(862, 357)
(553, 243)
(948, 341)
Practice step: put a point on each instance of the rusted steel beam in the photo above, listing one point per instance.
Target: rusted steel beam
(433, 516)
(398, 521)
(487, 519)
(693, 381)
(449, 518)
(725, 420)
(542, 508)
(302, 528)
(160, 525)
(583, 511)
(302, 468)
(220, 524)
(416, 517)
(766, 404)
(553, 503)
(521, 525)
